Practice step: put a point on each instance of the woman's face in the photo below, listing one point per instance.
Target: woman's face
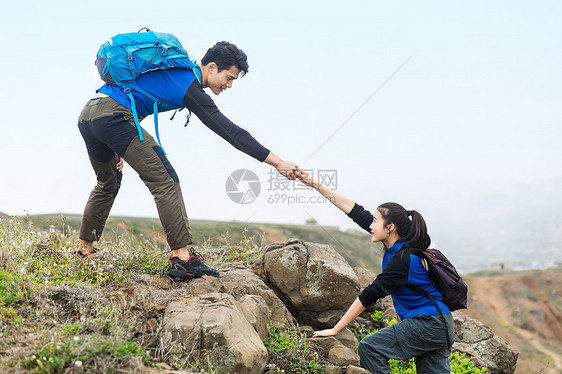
(378, 231)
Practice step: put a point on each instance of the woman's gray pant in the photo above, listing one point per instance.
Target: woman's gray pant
(422, 337)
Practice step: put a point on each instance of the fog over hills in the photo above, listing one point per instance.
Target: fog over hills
(520, 226)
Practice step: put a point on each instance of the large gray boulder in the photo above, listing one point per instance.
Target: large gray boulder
(211, 328)
(314, 281)
(484, 348)
(239, 281)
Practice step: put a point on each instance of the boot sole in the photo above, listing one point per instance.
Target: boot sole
(182, 274)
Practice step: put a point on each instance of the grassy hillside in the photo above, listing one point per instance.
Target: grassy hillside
(354, 246)
(61, 313)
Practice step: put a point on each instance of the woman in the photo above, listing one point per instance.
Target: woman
(422, 332)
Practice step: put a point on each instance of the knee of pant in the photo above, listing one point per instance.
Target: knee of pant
(109, 186)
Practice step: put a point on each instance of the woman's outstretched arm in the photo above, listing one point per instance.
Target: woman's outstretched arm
(338, 199)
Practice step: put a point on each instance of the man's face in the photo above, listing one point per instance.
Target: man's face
(219, 81)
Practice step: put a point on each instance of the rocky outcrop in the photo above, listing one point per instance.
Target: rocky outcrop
(313, 280)
(222, 322)
(239, 281)
(484, 348)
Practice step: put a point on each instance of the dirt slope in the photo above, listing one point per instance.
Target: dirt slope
(525, 309)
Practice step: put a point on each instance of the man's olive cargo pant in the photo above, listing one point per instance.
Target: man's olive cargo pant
(109, 131)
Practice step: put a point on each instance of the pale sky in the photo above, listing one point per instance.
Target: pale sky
(475, 111)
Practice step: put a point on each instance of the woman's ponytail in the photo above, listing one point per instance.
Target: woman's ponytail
(418, 237)
(414, 231)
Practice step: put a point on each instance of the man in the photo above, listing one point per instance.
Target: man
(108, 128)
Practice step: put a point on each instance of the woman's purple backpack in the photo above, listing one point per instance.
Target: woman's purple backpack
(445, 277)
(447, 281)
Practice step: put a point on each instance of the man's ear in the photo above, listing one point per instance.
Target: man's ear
(212, 67)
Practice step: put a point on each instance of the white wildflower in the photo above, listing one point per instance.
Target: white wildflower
(76, 338)
(78, 363)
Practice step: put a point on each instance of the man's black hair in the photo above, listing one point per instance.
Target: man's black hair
(226, 55)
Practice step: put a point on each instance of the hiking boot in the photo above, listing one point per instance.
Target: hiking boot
(84, 251)
(194, 267)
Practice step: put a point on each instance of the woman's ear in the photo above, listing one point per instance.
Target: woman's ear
(391, 228)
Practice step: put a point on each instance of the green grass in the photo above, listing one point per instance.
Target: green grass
(354, 246)
(38, 266)
(35, 265)
(291, 352)
(47, 257)
(13, 288)
(105, 353)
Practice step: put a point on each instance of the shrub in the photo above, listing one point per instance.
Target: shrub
(247, 249)
(290, 351)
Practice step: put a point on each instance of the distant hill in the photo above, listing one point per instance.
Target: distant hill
(354, 246)
(525, 309)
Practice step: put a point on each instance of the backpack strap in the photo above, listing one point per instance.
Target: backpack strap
(197, 72)
(135, 113)
(425, 293)
(155, 107)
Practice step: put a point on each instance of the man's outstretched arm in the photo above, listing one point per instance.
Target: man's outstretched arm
(205, 109)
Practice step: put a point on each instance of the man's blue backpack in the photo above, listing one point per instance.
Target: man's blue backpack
(125, 57)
